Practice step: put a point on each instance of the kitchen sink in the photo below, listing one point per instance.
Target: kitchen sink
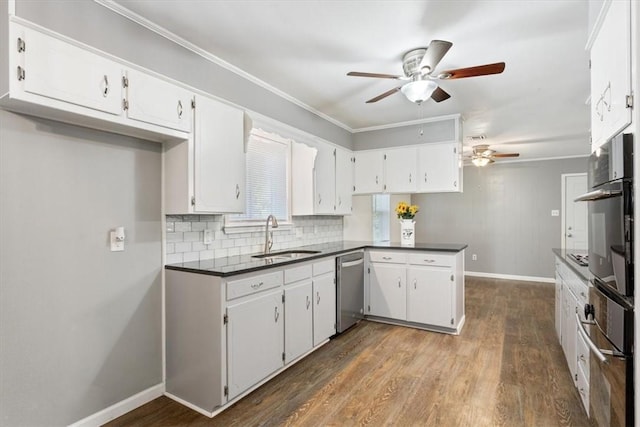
(286, 255)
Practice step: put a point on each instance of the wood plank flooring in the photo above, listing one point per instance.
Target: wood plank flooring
(505, 369)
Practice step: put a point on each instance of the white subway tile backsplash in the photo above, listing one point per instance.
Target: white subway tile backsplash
(185, 237)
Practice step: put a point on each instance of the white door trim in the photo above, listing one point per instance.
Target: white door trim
(563, 207)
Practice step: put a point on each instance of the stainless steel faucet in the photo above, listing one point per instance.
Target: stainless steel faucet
(268, 235)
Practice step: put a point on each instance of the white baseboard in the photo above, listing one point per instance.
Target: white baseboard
(116, 410)
(510, 277)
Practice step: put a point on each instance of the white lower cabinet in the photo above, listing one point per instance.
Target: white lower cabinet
(423, 289)
(388, 291)
(224, 336)
(430, 295)
(255, 338)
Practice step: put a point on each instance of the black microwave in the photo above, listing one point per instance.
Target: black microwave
(610, 220)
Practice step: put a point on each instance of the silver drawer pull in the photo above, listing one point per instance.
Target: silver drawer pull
(399, 282)
(277, 314)
(308, 302)
(257, 285)
(582, 392)
(317, 297)
(105, 92)
(179, 109)
(237, 191)
(430, 261)
(386, 257)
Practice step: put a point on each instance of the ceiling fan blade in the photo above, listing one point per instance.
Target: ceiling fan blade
(505, 155)
(435, 52)
(439, 95)
(374, 75)
(384, 95)
(480, 70)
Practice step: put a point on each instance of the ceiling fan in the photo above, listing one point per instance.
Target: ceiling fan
(419, 65)
(483, 155)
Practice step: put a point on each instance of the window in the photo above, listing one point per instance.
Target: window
(267, 179)
(381, 217)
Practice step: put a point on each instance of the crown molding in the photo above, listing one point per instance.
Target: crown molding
(140, 20)
(540, 159)
(409, 123)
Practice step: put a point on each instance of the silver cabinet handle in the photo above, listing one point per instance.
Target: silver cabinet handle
(581, 357)
(425, 177)
(105, 91)
(319, 198)
(455, 183)
(409, 178)
(257, 285)
(339, 201)
(317, 297)
(430, 261)
(179, 109)
(386, 257)
(399, 282)
(569, 235)
(237, 191)
(277, 314)
(21, 73)
(415, 283)
(308, 302)
(582, 392)
(376, 179)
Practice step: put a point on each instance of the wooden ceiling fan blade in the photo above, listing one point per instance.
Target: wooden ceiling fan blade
(435, 52)
(440, 95)
(384, 95)
(502, 155)
(374, 75)
(480, 70)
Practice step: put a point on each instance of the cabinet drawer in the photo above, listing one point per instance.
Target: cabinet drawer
(440, 260)
(583, 356)
(295, 274)
(325, 266)
(394, 257)
(249, 285)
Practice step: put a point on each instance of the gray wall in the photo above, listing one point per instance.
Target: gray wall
(101, 28)
(80, 326)
(438, 131)
(504, 215)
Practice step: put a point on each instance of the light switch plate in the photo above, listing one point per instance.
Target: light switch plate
(208, 237)
(116, 245)
(555, 212)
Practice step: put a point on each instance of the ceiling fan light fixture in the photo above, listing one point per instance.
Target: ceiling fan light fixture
(419, 91)
(480, 161)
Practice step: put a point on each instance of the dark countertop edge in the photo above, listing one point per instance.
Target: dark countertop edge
(562, 254)
(176, 267)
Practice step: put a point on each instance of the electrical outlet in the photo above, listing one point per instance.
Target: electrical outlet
(474, 257)
(208, 237)
(555, 212)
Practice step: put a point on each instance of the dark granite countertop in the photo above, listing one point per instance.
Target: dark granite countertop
(563, 254)
(230, 266)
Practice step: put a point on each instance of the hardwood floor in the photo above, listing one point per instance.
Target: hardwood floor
(506, 368)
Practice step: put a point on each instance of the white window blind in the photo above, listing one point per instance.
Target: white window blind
(267, 178)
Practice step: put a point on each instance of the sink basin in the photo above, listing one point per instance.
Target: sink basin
(286, 255)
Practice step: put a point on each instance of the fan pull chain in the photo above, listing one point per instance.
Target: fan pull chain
(421, 119)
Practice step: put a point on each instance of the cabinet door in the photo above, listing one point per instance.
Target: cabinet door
(303, 159)
(298, 320)
(570, 331)
(325, 180)
(388, 291)
(611, 74)
(558, 307)
(344, 181)
(255, 340)
(219, 157)
(156, 101)
(400, 169)
(438, 168)
(61, 71)
(430, 295)
(368, 172)
(324, 307)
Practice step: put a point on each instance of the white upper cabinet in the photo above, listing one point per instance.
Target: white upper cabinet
(344, 181)
(611, 74)
(322, 179)
(400, 170)
(58, 70)
(55, 77)
(325, 180)
(427, 168)
(439, 168)
(206, 174)
(156, 101)
(369, 172)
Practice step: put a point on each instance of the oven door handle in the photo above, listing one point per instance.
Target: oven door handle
(597, 195)
(592, 346)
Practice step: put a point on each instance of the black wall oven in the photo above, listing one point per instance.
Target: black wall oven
(607, 326)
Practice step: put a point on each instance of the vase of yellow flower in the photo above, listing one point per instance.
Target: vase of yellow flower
(406, 213)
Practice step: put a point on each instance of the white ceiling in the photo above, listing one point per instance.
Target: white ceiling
(305, 48)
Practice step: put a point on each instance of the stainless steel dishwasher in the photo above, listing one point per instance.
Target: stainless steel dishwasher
(350, 290)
